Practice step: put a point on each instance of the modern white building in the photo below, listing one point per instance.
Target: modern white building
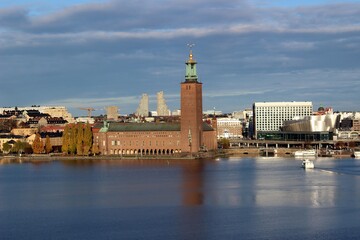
(270, 116)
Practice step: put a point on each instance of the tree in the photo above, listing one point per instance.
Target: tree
(38, 146)
(88, 138)
(48, 145)
(72, 139)
(66, 140)
(95, 149)
(225, 143)
(79, 139)
(6, 147)
(21, 147)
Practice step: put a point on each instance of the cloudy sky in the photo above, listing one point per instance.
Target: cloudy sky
(97, 53)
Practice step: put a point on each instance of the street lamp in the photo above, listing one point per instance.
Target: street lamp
(190, 141)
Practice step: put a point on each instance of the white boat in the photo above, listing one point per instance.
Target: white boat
(356, 154)
(307, 164)
(305, 153)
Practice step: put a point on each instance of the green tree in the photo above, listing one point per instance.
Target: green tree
(6, 147)
(38, 146)
(88, 138)
(21, 147)
(48, 145)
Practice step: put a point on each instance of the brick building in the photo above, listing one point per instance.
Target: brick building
(191, 135)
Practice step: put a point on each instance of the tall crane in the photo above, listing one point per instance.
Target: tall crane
(88, 109)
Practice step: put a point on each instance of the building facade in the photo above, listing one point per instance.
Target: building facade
(229, 128)
(270, 116)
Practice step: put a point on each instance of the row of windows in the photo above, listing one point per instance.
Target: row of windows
(144, 135)
(284, 107)
(229, 124)
(136, 143)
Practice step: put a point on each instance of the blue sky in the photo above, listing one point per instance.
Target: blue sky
(102, 53)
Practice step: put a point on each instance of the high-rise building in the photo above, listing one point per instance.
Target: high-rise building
(270, 116)
(162, 109)
(191, 109)
(143, 109)
(112, 113)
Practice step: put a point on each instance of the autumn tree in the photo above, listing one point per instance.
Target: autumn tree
(87, 139)
(225, 143)
(66, 140)
(79, 139)
(95, 149)
(73, 139)
(38, 146)
(48, 145)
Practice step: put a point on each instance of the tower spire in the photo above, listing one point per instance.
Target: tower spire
(191, 45)
(191, 75)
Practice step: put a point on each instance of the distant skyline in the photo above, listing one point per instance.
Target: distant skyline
(97, 53)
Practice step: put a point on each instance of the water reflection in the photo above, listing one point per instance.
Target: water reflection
(192, 183)
(165, 199)
(147, 182)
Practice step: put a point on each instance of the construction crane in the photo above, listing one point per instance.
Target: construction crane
(88, 109)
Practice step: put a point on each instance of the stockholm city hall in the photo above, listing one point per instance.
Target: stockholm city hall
(190, 136)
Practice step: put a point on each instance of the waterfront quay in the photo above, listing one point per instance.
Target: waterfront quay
(325, 148)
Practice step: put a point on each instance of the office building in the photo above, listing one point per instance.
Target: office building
(270, 116)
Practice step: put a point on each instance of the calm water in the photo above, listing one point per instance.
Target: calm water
(248, 198)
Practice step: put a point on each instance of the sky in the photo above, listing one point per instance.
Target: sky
(99, 53)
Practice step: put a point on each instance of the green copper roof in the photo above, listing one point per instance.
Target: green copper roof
(139, 127)
(128, 127)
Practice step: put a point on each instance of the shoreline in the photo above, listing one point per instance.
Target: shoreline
(225, 153)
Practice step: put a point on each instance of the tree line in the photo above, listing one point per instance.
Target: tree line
(24, 147)
(77, 139)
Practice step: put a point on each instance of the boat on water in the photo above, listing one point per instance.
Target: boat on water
(356, 154)
(307, 164)
(305, 153)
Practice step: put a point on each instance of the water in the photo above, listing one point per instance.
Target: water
(247, 198)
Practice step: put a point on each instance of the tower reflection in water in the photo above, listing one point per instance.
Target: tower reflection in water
(192, 184)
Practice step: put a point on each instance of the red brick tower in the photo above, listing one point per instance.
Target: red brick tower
(191, 109)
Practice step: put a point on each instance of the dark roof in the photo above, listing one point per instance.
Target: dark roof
(51, 134)
(11, 136)
(128, 127)
(207, 127)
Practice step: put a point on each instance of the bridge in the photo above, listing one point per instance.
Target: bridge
(257, 143)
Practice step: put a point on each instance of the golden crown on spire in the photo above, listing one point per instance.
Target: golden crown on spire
(191, 45)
